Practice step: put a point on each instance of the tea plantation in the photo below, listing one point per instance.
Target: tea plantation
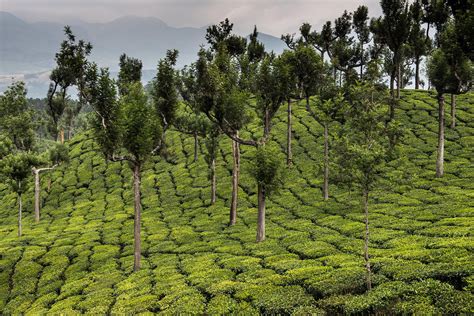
(79, 258)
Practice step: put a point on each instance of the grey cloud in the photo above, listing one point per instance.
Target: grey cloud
(271, 16)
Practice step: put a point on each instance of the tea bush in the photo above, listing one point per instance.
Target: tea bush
(79, 258)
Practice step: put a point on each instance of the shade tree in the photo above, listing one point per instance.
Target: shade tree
(127, 129)
(15, 168)
(267, 170)
(71, 67)
(223, 75)
(16, 117)
(450, 71)
(393, 30)
(364, 147)
(287, 89)
(419, 42)
(56, 155)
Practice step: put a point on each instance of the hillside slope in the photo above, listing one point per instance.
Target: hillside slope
(79, 257)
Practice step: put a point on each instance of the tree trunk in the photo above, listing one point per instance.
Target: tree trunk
(392, 84)
(440, 158)
(326, 163)
(261, 214)
(365, 194)
(69, 131)
(196, 144)
(20, 206)
(453, 110)
(37, 194)
(399, 80)
(137, 218)
(266, 125)
(417, 73)
(235, 182)
(289, 154)
(61, 135)
(213, 181)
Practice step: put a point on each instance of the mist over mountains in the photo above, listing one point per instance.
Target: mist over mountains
(27, 49)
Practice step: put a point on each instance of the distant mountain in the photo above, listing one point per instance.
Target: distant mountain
(27, 49)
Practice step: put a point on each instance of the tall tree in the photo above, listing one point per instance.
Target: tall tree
(360, 24)
(16, 119)
(308, 68)
(71, 65)
(127, 130)
(420, 43)
(190, 121)
(267, 171)
(57, 155)
(365, 147)
(436, 12)
(15, 167)
(393, 29)
(222, 83)
(165, 92)
(287, 85)
(450, 71)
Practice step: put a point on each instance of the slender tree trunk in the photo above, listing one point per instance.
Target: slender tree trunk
(20, 206)
(326, 162)
(399, 80)
(213, 181)
(266, 127)
(289, 153)
(365, 194)
(61, 135)
(69, 131)
(37, 194)
(417, 73)
(440, 158)
(235, 182)
(453, 111)
(55, 132)
(261, 214)
(392, 83)
(196, 145)
(137, 218)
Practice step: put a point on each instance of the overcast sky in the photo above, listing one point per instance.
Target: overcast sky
(271, 16)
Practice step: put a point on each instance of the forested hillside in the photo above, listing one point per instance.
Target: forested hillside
(79, 257)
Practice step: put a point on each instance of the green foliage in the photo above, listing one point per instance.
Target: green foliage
(164, 90)
(72, 69)
(106, 123)
(267, 168)
(367, 142)
(59, 154)
(140, 127)
(16, 168)
(16, 116)
(130, 72)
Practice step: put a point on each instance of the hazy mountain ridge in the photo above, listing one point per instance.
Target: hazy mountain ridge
(27, 49)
